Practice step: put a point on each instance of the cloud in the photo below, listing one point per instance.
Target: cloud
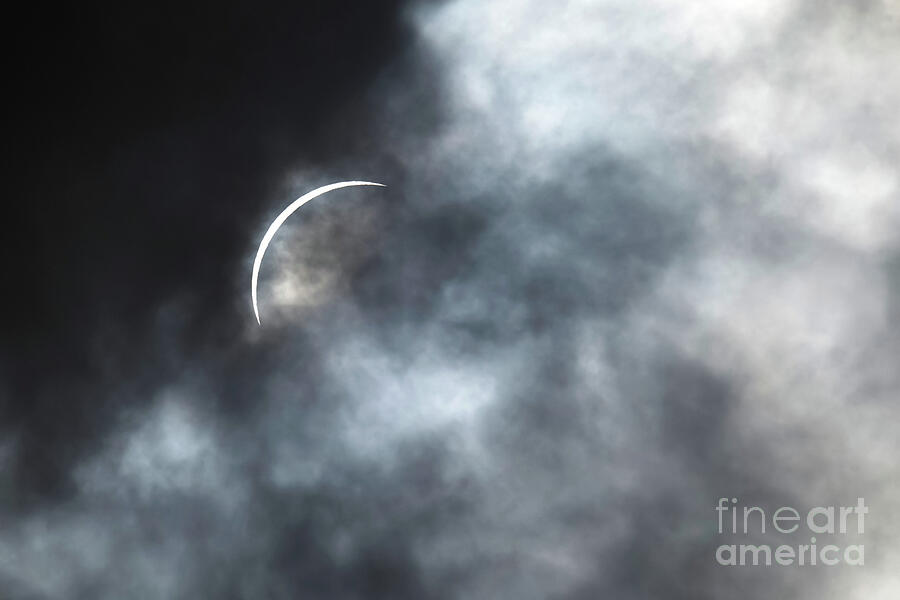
(636, 257)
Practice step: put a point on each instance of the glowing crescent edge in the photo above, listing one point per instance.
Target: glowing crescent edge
(280, 219)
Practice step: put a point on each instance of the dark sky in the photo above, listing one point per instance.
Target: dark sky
(631, 258)
(143, 138)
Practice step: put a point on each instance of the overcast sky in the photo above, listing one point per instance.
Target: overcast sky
(632, 257)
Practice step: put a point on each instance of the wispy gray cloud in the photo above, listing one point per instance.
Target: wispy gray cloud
(633, 258)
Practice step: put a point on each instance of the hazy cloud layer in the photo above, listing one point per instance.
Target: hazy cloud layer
(633, 257)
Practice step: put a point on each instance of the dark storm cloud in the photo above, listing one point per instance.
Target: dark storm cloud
(605, 287)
